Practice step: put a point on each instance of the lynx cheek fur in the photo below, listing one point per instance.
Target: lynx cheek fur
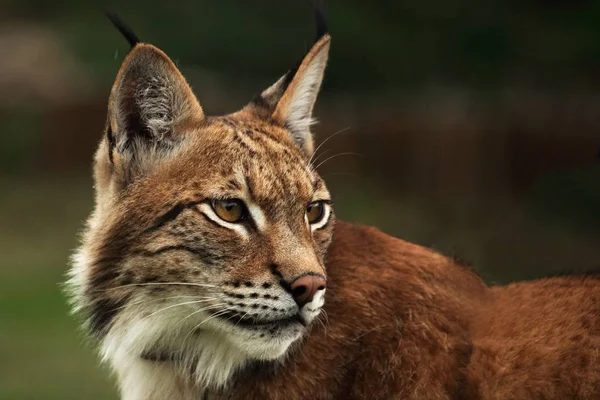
(211, 253)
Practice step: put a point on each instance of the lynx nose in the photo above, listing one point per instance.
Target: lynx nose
(305, 288)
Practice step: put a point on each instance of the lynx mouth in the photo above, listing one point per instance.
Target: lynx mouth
(252, 322)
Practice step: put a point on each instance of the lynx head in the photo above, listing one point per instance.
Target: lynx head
(206, 245)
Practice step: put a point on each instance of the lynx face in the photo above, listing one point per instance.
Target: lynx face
(206, 246)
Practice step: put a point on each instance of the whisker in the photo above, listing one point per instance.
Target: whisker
(198, 311)
(221, 312)
(158, 284)
(231, 316)
(176, 305)
(213, 316)
(319, 156)
(224, 311)
(325, 141)
(242, 317)
(318, 319)
(157, 299)
(325, 321)
(337, 155)
(324, 313)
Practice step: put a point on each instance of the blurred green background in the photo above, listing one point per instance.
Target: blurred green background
(473, 128)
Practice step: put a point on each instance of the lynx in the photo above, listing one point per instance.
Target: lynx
(213, 253)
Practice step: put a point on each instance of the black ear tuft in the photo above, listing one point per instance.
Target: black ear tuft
(319, 6)
(123, 28)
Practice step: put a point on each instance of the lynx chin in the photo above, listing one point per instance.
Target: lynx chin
(211, 257)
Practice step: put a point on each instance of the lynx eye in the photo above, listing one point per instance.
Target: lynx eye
(229, 210)
(315, 212)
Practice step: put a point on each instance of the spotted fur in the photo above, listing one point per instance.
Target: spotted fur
(185, 305)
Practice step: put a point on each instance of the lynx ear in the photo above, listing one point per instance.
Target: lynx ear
(149, 100)
(290, 101)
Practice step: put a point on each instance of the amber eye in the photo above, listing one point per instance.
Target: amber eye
(315, 212)
(230, 210)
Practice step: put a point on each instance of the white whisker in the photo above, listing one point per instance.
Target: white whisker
(326, 316)
(176, 305)
(218, 313)
(196, 312)
(337, 155)
(159, 284)
(325, 141)
(317, 158)
(242, 317)
(153, 300)
(322, 323)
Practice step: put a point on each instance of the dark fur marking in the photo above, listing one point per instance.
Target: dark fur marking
(170, 215)
(208, 257)
(123, 28)
(149, 279)
(282, 281)
(271, 102)
(102, 277)
(321, 21)
(240, 141)
(250, 187)
(111, 142)
(234, 185)
(102, 313)
(261, 102)
(126, 278)
(235, 295)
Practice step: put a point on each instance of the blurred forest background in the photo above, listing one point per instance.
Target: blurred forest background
(476, 126)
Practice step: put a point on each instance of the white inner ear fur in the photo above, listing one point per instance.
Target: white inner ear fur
(298, 112)
(161, 107)
(158, 108)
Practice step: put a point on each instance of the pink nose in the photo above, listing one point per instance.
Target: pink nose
(305, 288)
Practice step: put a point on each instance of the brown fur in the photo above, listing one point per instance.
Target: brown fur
(402, 321)
(431, 329)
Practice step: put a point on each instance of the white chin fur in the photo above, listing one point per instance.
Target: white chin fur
(210, 359)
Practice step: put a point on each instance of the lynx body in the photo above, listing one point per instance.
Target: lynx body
(213, 250)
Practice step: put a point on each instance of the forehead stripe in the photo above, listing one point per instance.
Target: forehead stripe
(282, 149)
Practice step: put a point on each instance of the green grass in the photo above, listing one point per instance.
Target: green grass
(43, 355)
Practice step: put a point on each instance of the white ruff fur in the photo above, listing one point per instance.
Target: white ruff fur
(207, 360)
